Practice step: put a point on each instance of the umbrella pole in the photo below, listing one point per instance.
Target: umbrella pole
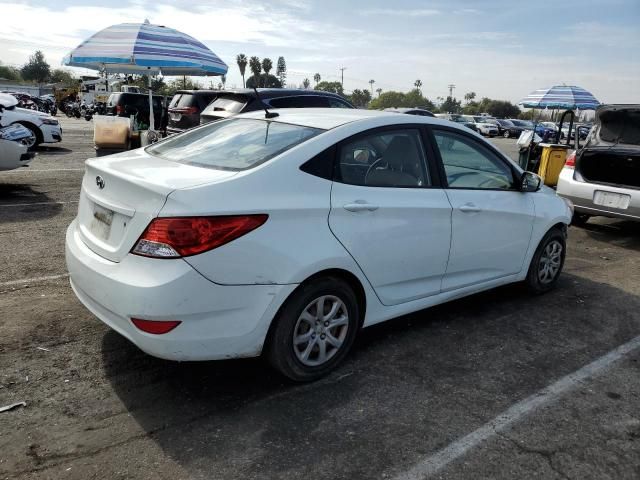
(151, 118)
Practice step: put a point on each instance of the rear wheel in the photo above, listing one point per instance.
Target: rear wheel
(314, 330)
(506, 134)
(547, 262)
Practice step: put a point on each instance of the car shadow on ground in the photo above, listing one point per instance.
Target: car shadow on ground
(19, 202)
(49, 150)
(622, 233)
(410, 386)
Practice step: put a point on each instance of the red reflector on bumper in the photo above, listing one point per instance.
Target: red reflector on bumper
(157, 327)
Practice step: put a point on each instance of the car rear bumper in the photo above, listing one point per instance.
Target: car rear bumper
(582, 196)
(218, 321)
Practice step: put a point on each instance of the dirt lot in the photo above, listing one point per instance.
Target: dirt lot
(452, 392)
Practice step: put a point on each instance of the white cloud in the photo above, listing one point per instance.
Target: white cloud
(397, 12)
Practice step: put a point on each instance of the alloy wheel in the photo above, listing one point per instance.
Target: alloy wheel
(550, 262)
(321, 330)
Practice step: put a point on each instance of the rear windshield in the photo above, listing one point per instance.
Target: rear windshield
(227, 104)
(234, 144)
(175, 100)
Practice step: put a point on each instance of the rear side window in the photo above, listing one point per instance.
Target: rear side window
(185, 100)
(231, 104)
(301, 101)
(175, 100)
(234, 144)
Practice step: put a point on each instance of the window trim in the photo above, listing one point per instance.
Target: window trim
(429, 162)
(488, 147)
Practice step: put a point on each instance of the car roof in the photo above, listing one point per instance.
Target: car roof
(328, 118)
(195, 92)
(281, 92)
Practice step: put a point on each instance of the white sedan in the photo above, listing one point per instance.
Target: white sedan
(286, 234)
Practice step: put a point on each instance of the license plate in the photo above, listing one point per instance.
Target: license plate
(611, 199)
(101, 222)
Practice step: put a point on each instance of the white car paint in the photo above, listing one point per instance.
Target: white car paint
(13, 148)
(402, 252)
(46, 127)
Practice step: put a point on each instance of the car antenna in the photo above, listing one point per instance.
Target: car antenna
(267, 114)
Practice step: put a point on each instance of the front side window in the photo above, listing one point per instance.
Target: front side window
(235, 144)
(392, 158)
(468, 164)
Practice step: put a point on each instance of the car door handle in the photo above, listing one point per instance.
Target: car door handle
(469, 208)
(360, 207)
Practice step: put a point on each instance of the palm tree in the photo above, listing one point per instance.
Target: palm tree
(256, 67)
(371, 82)
(306, 83)
(223, 79)
(418, 85)
(469, 96)
(241, 60)
(378, 91)
(316, 78)
(267, 65)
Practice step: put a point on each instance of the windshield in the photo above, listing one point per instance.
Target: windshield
(227, 104)
(505, 123)
(519, 123)
(235, 144)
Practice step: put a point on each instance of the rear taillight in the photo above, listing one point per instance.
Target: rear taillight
(156, 327)
(571, 160)
(184, 110)
(184, 236)
(119, 109)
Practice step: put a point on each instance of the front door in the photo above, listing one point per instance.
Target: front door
(492, 220)
(389, 217)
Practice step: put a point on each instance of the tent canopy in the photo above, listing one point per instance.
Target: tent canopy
(561, 96)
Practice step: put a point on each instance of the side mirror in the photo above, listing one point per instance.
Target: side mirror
(530, 182)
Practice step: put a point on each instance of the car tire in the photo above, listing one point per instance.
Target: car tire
(37, 135)
(299, 344)
(506, 134)
(547, 262)
(580, 219)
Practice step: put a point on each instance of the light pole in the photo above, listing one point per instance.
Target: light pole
(451, 86)
(342, 69)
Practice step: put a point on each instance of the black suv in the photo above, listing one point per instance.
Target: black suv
(232, 102)
(125, 104)
(185, 108)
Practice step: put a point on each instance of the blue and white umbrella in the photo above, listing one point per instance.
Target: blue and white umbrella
(561, 96)
(146, 49)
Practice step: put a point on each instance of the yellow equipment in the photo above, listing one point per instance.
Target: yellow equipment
(551, 162)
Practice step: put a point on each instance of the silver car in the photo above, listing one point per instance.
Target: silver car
(603, 177)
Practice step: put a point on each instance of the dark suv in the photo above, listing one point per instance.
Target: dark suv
(125, 104)
(232, 102)
(185, 108)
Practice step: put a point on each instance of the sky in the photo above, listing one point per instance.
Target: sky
(498, 49)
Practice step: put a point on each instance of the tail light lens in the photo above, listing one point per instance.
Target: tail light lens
(119, 109)
(156, 327)
(571, 160)
(184, 111)
(184, 236)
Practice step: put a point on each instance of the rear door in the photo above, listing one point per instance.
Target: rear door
(491, 220)
(390, 214)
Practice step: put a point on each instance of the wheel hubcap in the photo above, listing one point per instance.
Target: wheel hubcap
(550, 261)
(320, 330)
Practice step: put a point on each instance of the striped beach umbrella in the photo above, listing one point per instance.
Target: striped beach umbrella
(145, 49)
(561, 96)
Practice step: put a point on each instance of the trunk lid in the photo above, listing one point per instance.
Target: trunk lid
(616, 124)
(122, 193)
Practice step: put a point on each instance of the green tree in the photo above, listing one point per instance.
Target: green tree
(317, 78)
(451, 105)
(418, 84)
(267, 65)
(306, 83)
(223, 80)
(256, 67)
(36, 69)
(360, 98)
(371, 82)
(63, 77)
(469, 96)
(335, 87)
(378, 91)
(241, 60)
(10, 73)
(281, 71)
(263, 80)
(392, 99)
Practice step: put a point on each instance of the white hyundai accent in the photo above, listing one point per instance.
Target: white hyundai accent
(286, 234)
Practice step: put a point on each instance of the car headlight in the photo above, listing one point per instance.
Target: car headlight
(50, 121)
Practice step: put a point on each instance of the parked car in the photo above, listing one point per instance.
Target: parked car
(185, 108)
(43, 127)
(519, 126)
(14, 145)
(354, 224)
(484, 127)
(582, 129)
(232, 102)
(411, 111)
(504, 127)
(603, 177)
(466, 120)
(125, 104)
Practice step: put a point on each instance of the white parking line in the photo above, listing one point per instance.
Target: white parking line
(26, 281)
(431, 464)
(36, 203)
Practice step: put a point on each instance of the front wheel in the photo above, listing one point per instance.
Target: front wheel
(314, 330)
(506, 134)
(547, 262)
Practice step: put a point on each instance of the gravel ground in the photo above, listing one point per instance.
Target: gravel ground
(97, 407)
